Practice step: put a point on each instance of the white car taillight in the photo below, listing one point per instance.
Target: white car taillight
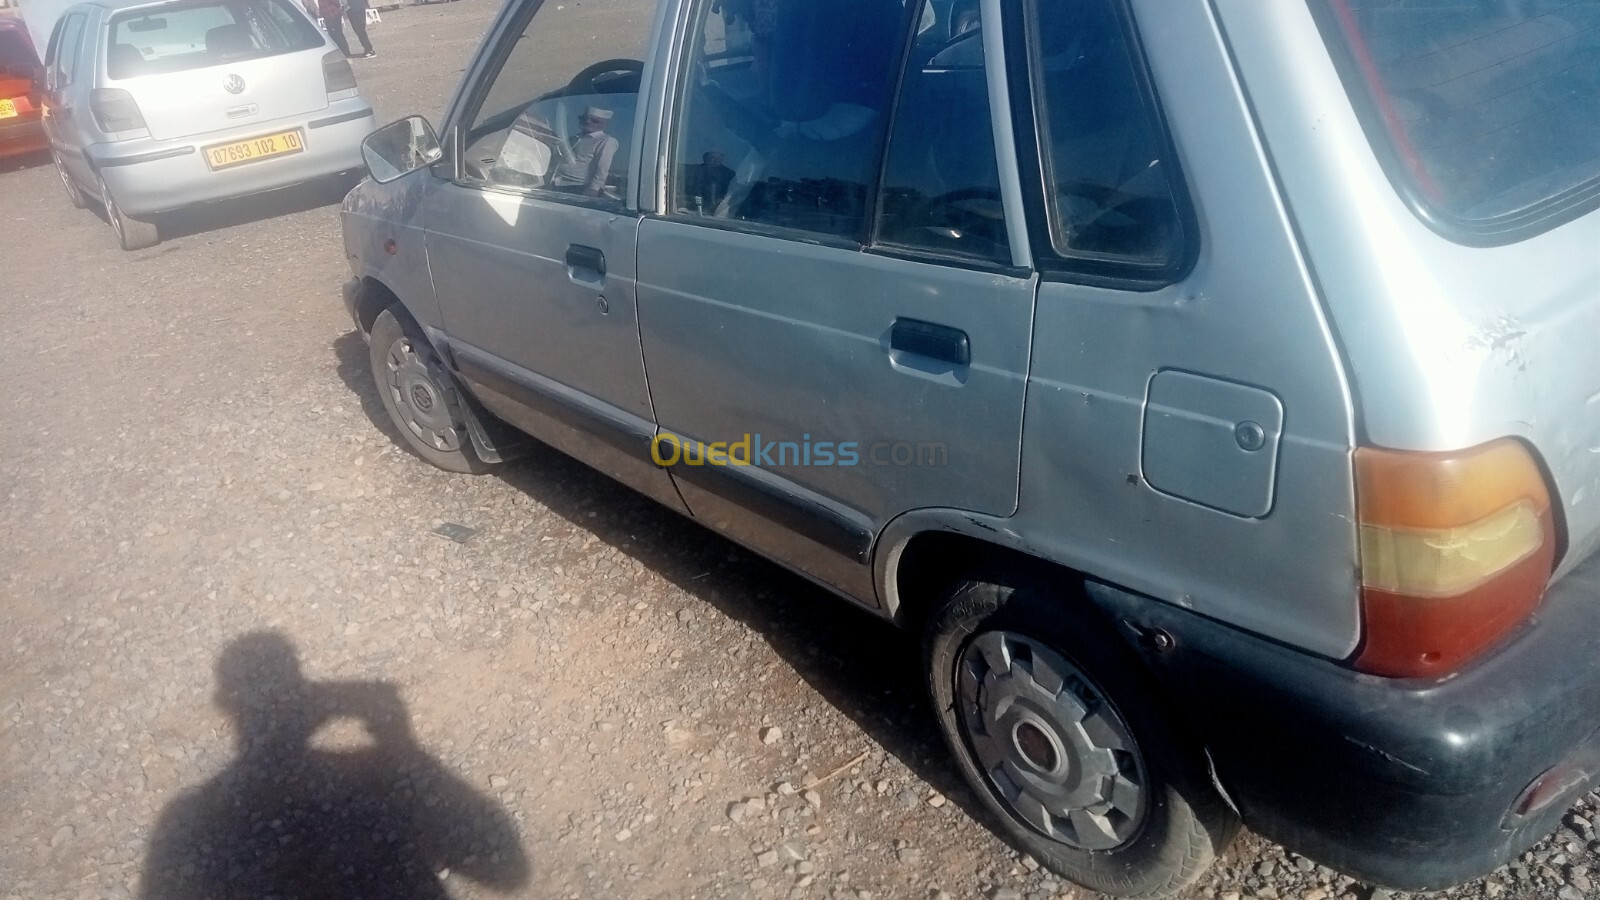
(115, 110)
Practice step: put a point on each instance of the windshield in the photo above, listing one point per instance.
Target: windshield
(194, 35)
(1488, 112)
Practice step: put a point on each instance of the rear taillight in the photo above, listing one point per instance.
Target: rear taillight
(1456, 551)
(114, 110)
(336, 72)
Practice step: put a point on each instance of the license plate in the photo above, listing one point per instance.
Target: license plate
(222, 156)
(8, 109)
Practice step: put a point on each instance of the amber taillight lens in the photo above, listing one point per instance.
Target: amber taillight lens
(1456, 551)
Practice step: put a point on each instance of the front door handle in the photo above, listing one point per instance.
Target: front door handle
(585, 260)
(931, 340)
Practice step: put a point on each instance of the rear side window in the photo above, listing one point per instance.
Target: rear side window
(196, 35)
(1487, 113)
(1109, 177)
(67, 40)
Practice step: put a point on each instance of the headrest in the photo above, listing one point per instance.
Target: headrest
(230, 40)
(124, 60)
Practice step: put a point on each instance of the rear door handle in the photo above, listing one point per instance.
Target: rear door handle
(931, 340)
(585, 260)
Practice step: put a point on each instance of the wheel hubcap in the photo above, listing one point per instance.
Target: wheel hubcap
(111, 208)
(420, 399)
(66, 180)
(1056, 752)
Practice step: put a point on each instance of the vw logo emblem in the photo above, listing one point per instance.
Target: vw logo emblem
(234, 85)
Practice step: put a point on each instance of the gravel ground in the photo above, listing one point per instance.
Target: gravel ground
(230, 639)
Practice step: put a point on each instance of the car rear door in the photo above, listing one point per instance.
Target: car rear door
(854, 344)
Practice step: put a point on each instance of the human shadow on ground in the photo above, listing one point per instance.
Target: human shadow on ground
(861, 665)
(287, 819)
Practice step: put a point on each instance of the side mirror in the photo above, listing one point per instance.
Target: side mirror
(401, 148)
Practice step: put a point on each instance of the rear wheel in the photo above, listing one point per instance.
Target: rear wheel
(419, 395)
(132, 234)
(1062, 735)
(74, 193)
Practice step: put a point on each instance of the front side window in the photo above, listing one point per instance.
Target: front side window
(786, 110)
(941, 188)
(1487, 113)
(557, 115)
(1109, 181)
(197, 35)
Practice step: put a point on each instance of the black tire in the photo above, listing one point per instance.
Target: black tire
(132, 234)
(74, 193)
(419, 395)
(1181, 823)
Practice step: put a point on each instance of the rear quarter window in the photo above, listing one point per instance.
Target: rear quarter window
(1486, 113)
(188, 36)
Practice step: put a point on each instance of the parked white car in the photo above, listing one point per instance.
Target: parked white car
(152, 107)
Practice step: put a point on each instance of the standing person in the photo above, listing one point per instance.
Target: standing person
(587, 169)
(330, 14)
(357, 13)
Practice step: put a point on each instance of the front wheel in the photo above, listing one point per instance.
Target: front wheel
(420, 396)
(1063, 736)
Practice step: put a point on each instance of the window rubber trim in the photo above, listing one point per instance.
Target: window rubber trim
(1052, 264)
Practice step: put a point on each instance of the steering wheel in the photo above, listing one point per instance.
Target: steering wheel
(587, 81)
(963, 219)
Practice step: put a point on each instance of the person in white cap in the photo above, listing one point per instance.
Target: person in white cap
(588, 166)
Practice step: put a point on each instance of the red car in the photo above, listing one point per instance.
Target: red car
(21, 87)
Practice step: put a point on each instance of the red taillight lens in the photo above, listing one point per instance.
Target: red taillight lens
(115, 110)
(1456, 551)
(336, 72)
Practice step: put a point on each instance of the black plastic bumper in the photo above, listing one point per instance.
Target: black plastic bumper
(1409, 785)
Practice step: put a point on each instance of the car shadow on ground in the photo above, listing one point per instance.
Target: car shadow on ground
(20, 161)
(372, 816)
(862, 666)
(255, 208)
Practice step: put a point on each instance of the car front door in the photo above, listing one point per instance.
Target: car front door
(532, 237)
(835, 325)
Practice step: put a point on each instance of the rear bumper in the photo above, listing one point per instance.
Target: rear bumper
(1410, 785)
(157, 176)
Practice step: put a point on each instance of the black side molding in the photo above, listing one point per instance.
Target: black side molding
(340, 119)
(504, 378)
(802, 515)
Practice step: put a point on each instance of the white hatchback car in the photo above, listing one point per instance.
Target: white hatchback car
(151, 107)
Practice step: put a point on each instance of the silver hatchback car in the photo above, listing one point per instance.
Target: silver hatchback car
(151, 107)
(1211, 383)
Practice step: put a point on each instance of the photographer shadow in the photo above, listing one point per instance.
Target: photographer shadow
(289, 818)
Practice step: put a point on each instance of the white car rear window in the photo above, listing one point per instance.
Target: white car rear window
(187, 36)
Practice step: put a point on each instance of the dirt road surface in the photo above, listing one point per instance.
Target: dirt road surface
(230, 638)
